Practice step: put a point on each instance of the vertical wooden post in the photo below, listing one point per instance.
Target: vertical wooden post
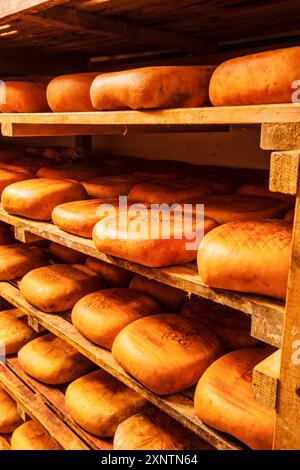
(85, 143)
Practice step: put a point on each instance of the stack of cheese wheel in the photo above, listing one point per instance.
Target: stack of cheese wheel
(14, 331)
(9, 416)
(114, 276)
(166, 353)
(17, 260)
(153, 430)
(224, 399)
(101, 315)
(99, 403)
(248, 256)
(58, 287)
(53, 361)
(32, 436)
(26, 96)
(36, 198)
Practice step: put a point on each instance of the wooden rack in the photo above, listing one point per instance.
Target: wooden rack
(67, 34)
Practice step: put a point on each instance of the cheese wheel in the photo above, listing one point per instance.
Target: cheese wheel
(99, 403)
(154, 430)
(261, 190)
(100, 316)
(32, 436)
(9, 416)
(67, 171)
(10, 152)
(166, 353)
(80, 217)
(289, 217)
(65, 254)
(150, 240)
(71, 93)
(231, 326)
(37, 198)
(23, 165)
(262, 78)
(218, 183)
(170, 298)
(152, 87)
(17, 260)
(23, 97)
(248, 256)
(14, 331)
(9, 177)
(108, 187)
(6, 236)
(52, 361)
(114, 276)
(58, 287)
(171, 192)
(224, 399)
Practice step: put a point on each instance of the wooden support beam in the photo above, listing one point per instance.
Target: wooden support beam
(284, 172)
(265, 379)
(280, 136)
(25, 237)
(12, 9)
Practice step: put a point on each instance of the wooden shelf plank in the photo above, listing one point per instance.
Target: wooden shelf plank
(12, 9)
(34, 407)
(265, 379)
(54, 398)
(178, 406)
(267, 314)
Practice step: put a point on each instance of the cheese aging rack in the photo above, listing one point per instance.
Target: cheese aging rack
(55, 37)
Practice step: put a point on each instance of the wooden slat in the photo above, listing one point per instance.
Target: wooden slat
(178, 406)
(267, 315)
(280, 136)
(54, 397)
(284, 172)
(265, 380)
(37, 410)
(11, 9)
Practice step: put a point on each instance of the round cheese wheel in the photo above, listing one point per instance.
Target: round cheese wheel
(37, 198)
(247, 256)
(17, 260)
(65, 254)
(170, 298)
(289, 217)
(113, 275)
(23, 97)
(225, 401)
(100, 316)
(152, 87)
(261, 78)
(253, 189)
(58, 287)
(71, 93)
(14, 331)
(6, 236)
(9, 416)
(23, 165)
(166, 353)
(32, 436)
(108, 187)
(154, 430)
(52, 361)
(231, 326)
(8, 177)
(99, 403)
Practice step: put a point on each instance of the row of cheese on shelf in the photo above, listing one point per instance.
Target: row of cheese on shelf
(262, 78)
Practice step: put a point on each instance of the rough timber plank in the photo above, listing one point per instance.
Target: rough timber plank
(11, 9)
(267, 314)
(37, 410)
(284, 172)
(280, 136)
(54, 397)
(178, 406)
(265, 379)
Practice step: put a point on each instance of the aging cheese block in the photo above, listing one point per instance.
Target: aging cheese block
(71, 93)
(58, 287)
(262, 78)
(23, 97)
(289, 217)
(218, 183)
(154, 430)
(6, 236)
(9, 177)
(170, 298)
(100, 316)
(107, 187)
(169, 192)
(65, 255)
(37, 198)
(9, 416)
(152, 87)
(99, 403)
(225, 401)
(17, 260)
(67, 171)
(248, 256)
(53, 361)
(147, 239)
(231, 326)
(166, 353)
(32, 436)
(14, 331)
(114, 276)
(262, 190)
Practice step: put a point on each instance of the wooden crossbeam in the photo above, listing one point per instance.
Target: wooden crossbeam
(12, 9)
(265, 379)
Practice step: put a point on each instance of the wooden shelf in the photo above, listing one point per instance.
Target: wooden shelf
(32, 405)
(267, 315)
(179, 406)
